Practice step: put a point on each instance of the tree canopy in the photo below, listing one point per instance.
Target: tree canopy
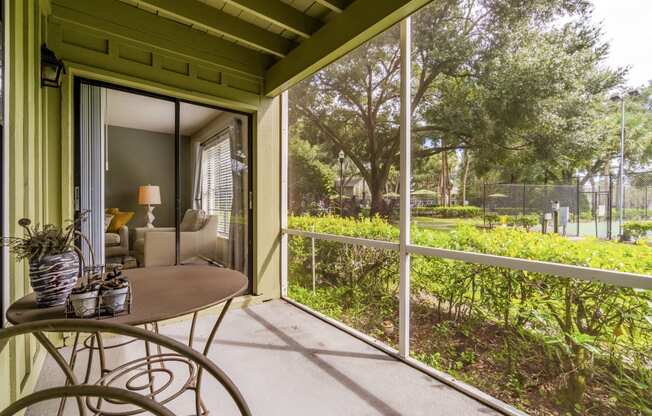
(514, 92)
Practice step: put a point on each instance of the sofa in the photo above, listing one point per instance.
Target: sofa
(156, 246)
(117, 244)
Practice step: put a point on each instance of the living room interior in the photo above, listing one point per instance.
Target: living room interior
(135, 213)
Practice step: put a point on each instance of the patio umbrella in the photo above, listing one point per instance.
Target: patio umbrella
(497, 195)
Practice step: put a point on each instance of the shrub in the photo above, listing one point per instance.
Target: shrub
(423, 211)
(492, 219)
(590, 328)
(457, 211)
(525, 221)
(636, 229)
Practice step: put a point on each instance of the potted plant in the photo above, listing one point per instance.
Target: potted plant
(84, 299)
(54, 261)
(113, 292)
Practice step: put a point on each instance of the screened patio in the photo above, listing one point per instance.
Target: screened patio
(333, 308)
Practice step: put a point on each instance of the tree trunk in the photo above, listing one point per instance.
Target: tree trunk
(465, 176)
(444, 191)
(377, 203)
(376, 189)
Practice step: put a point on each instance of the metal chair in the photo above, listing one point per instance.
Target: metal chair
(104, 392)
(179, 352)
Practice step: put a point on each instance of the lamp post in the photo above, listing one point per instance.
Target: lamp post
(341, 159)
(554, 205)
(621, 162)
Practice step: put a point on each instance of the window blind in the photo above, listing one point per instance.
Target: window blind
(217, 182)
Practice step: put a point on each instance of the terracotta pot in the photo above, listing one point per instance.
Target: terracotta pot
(53, 278)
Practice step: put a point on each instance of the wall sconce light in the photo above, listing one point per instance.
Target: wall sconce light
(51, 68)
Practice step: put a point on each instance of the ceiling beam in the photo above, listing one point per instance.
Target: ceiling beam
(361, 21)
(280, 14)
(337, 6)
(207, 17)
(136, 25)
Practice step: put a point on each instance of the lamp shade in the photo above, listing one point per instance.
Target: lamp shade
(149, 195)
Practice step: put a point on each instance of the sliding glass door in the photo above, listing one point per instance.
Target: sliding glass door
(161, 181)
(3, 288)
(214, 178)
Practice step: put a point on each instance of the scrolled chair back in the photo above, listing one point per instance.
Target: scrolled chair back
(77, 390)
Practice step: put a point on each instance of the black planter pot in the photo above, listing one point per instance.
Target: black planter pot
(53, 278)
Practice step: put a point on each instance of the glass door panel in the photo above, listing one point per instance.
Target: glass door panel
(213, 187)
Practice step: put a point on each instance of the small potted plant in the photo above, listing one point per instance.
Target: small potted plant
(84, 299)
(54, 261)
(113, 292)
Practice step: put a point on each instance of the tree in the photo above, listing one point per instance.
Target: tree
(353, 105)
(605, 146)
(527, 113)
(310, 179)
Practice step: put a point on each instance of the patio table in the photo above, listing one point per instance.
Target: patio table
(158, 294)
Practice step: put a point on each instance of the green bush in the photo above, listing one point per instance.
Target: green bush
(593, 332)
(492, 219)
(423, 211)
(637, 229)
(457, 211)
(525, 221)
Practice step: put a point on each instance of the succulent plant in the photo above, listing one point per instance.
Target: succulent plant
(41, 241)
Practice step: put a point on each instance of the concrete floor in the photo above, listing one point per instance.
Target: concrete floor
(287, 362)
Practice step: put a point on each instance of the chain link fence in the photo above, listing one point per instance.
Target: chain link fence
(586, 207)
(637, 201)
(583, 208)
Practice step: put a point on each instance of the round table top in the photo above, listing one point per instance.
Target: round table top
(157, 294)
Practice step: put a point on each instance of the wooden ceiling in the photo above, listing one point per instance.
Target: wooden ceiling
(292, 38)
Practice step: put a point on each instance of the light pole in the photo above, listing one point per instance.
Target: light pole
(554, 205)
(341, 159)
(621, 162)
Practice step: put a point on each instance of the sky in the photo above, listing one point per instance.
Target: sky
(627, 25)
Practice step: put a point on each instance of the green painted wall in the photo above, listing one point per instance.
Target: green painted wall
(29, 162)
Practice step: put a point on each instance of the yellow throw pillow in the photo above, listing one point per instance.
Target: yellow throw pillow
(112, 211)
(119, 220)
(107, 221)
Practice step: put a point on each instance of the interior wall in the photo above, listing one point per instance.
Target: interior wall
(141, 157)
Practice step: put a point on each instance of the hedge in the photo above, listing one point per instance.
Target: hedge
(586, 325)
(637, 229)
(457, 211)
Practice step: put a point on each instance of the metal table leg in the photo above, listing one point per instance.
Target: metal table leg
(71, 364)
(199, 405)
(70, 375)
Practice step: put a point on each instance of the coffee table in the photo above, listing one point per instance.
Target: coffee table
(157, 294)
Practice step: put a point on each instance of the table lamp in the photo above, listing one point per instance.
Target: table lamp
(149, 195)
